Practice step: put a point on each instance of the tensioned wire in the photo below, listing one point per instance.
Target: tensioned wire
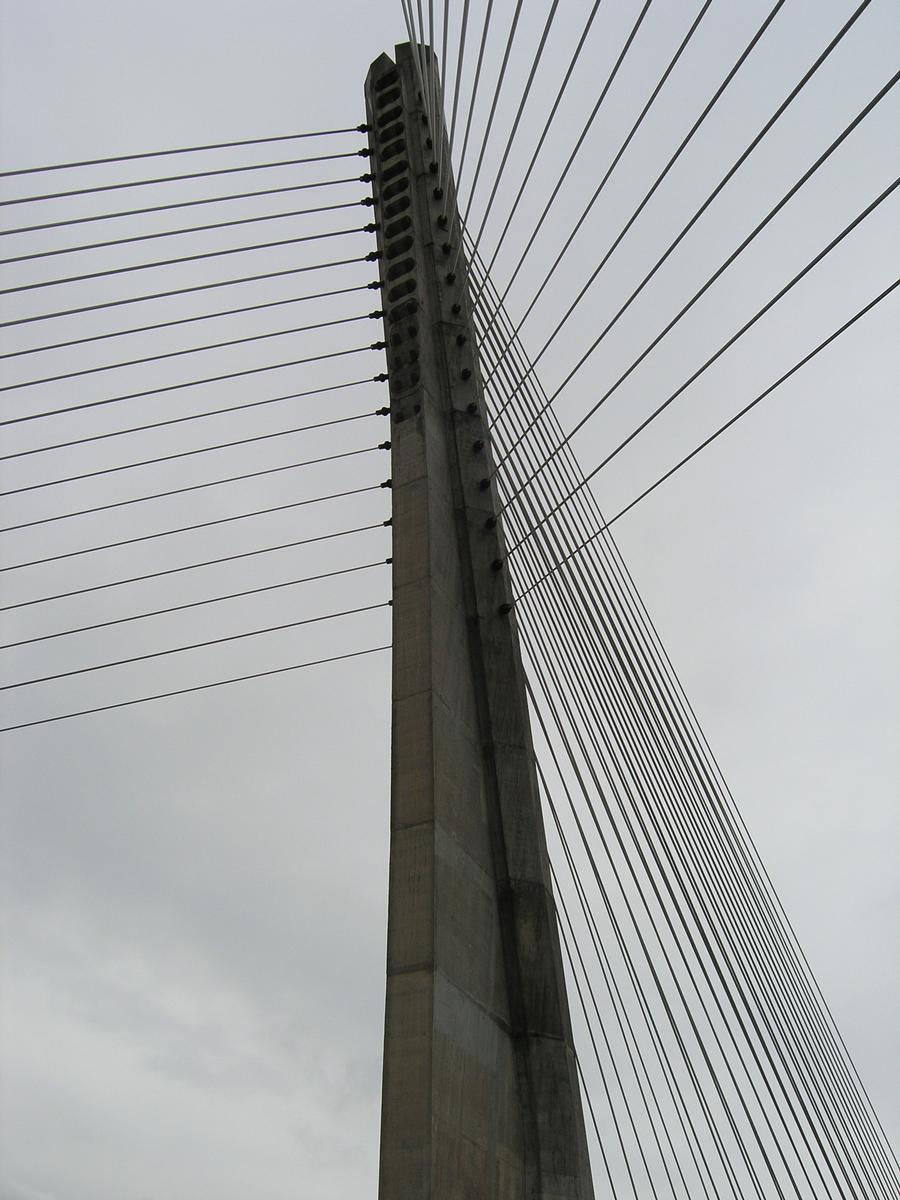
(228, 312)
(155, 208)
(174, 387)
(200, 287)
(489, 8)
(673, 61)
(573, 975)
(490, 121)
(164, 233)
(96, 162)
(723, 1051)
(747, 325)
(444, 175)
(684, 907)
(241, 341)
(720, 270)
(673, 159)
(728, 424)
(159, 612)
(540, 143)
(649, 956)
(628, 959)
(551, 649)
(210, 562)
(185, 258)
(114, 187)
(149, 537)
(804, 981)
(604, 91)
(216, 412)
(697, 954)
(415, 42)
(515, 126)
(164, 458)
(623, 1020)
(218, 641)
(441, 85)
(196, 487)
(785, 104)
(200, 687)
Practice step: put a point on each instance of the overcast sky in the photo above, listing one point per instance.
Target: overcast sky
(194, 890)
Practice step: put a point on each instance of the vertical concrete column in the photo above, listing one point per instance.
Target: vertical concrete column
(480, 1091)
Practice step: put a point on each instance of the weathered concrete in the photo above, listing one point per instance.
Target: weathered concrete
(480, 1092)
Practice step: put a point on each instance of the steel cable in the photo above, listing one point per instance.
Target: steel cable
(159, 612)
(228, 343)
(96, 162)
(165, 458)
(216, 412)
(164, 233)
(200, 687)
(114, 187)
(196, 487)
(155, 208)
(191, 528)
(174, 387)
(209, 562)
(170, 262)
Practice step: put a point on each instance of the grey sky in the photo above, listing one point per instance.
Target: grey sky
(194, 899)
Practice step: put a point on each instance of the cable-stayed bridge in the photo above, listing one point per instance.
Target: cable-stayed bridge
(708, 1060)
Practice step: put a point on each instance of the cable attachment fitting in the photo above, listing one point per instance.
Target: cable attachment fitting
(373, 256)
(388, 560)
(496, 564)
(379, 312)
(388, 483)
(374, 286)
(364, 153)
(504, 610)
(378, 346)
(382, 412)
(382, 378)
(364, 128)
(390, 520)
(484, 484)
(367, 179)
(370, 228)
(465, 373)
(433, 167)
(478, 446)
(384, 445)
(438, 193)
(443, 221)
(472, 408)
(491, 522)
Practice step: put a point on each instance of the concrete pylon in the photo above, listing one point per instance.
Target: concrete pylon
(480, 1098)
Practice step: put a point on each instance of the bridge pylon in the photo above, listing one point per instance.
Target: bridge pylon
(481, 1097)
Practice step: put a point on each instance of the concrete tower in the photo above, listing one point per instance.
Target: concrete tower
(480, 1096)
